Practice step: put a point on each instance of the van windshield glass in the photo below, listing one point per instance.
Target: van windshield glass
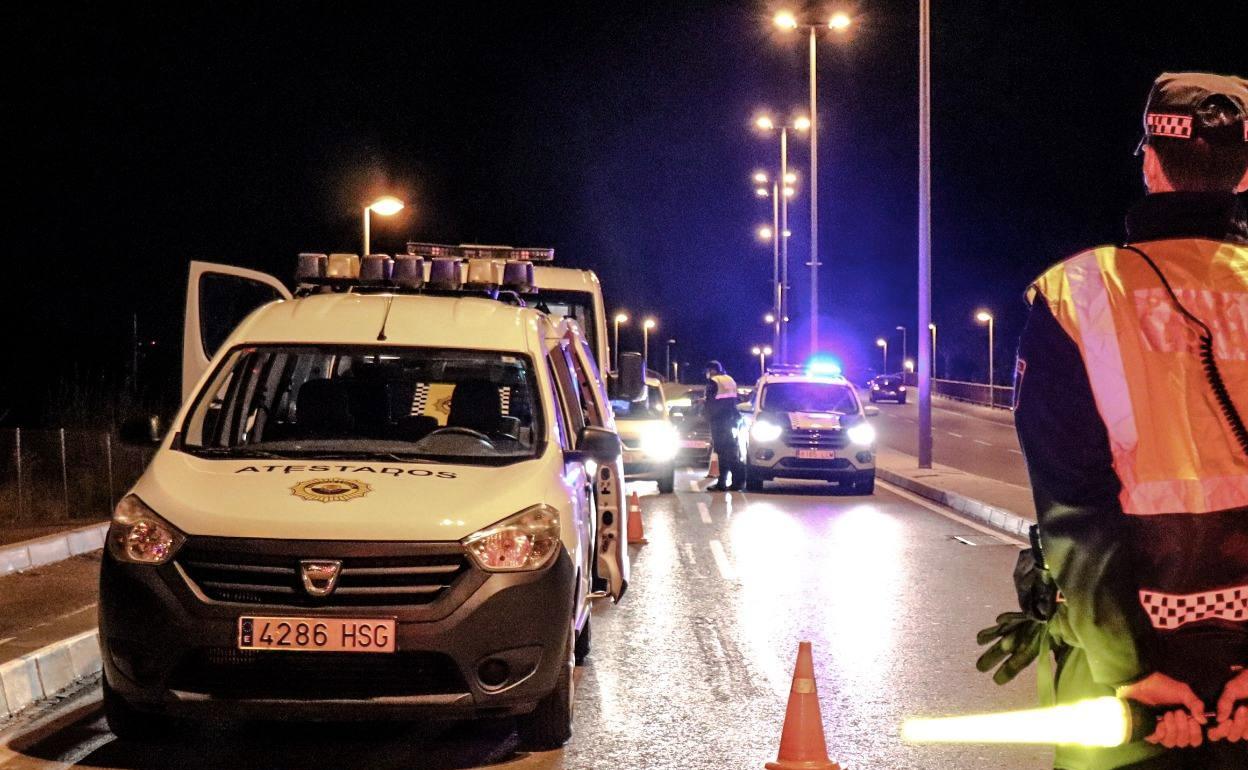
(809, 397)
(461, 406)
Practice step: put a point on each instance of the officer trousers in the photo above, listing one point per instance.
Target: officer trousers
(1209, 756)
(724, 440)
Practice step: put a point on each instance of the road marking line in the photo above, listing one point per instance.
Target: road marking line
(705, 512)
(955, 435)
(948, 514)
(726, 570)
(1015, 451)
(985, 443)
(693, 486)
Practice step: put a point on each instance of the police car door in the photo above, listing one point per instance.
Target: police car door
(218, 297)
(611, 563)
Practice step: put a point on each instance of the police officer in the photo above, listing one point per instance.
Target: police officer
(1131, 383)
(721, 412)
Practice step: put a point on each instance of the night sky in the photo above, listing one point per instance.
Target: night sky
(142, 138)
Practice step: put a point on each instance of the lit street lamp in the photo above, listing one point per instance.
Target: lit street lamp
(646, 326)
(762, 352)
(839, 23)
(932, 329)
(386, 206)
(909, 365)
(667, 359)
(620, 318)
(984, 317)
(883, 343)
(904, 351)
(780, 214)
(773, 234)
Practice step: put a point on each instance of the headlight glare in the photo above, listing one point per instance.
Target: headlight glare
(138, 536)
(525, 541)
(862, 434)
(765, 431)
(660, 441)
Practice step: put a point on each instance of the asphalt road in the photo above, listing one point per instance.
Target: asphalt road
(971, 438)
(692, 669)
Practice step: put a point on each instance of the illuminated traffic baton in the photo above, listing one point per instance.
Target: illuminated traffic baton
(1100, 722)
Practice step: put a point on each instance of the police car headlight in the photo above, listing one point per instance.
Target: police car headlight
(902, 389)
(525, 541)
(138, 536)
(765, 431)
(875, 386)
(660, 441)
(862, 434)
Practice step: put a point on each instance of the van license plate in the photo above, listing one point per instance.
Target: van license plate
(816, 454)
(316, 634)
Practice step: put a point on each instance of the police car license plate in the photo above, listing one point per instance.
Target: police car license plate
(816, 454)
(316, 634)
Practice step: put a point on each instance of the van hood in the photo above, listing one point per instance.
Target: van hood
(337, 499)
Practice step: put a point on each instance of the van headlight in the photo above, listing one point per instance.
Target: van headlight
(862, 434)
(138, 536)
(765, 431)
(660, 441)
(525, 541)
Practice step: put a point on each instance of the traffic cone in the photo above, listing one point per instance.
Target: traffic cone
(801, 742)
(713, 471)
(636, 530)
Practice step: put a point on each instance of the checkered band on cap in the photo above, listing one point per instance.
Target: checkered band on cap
(1170, 611)
(1171, 126)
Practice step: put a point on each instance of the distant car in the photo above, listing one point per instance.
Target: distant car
(651, 441)
(685, 408)
(887, 387)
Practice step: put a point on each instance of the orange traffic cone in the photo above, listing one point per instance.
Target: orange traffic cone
(636, 530)
(801, 742)
(713, 471)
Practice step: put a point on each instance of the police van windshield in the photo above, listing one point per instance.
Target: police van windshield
(809, 397)
(461, 406)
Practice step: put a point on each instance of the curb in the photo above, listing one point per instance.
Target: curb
(1006, 521)
(47, 671)
(19, 557)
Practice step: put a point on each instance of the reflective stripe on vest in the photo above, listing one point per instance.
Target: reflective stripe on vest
(1171, 446)
(725, 386)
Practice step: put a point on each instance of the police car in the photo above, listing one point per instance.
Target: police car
(651, 441)
(393, 495)
(807, 423)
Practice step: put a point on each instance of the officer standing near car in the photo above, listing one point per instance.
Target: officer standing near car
(722, 414)
(1131, 386)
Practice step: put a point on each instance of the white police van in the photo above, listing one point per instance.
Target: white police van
(808, 423)
(384, 497)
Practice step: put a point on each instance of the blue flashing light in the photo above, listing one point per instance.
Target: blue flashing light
(823, 366)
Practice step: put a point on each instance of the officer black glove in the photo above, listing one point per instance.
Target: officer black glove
(1015, 641)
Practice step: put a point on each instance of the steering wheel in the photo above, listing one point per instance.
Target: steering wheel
(456, 430)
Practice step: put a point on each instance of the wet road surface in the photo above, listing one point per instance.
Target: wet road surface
(692, 669)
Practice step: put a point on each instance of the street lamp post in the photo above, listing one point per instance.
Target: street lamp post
(932, 328)
(926, 362)
(646, 326)
(904, 350)
(983, 317)
(762, 351)
(839, 22)
(774, 233)
(667, 358)
(785, 190)
(772, 320)
(620, 318)
(883, 343)
(386, 205)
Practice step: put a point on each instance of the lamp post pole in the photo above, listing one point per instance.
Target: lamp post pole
(904, 349)
(814, 203)
(926, 357)
(783, 235)
(615, 351)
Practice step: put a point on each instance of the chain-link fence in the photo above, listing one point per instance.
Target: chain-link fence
(50, 476)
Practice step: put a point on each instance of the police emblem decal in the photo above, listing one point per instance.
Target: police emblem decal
(330, 490)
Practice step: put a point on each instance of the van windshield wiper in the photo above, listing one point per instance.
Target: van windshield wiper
(238, 452)
(360, 454)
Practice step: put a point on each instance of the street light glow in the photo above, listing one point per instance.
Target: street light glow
(764, 122)
(386, 205)
(785, 20)
(621, 318)
(765, 233)
(770, 318)
(840, 21)
(760, 177)
(756, 350)
(909, 364)
(983, 316)
(760, 192)
(650, 323)
(790, 178)
(802, 123)
(767, 350)
(789, 192)
(881, 343)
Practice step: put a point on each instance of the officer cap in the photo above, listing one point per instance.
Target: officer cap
(1182, 107)
(714, 366)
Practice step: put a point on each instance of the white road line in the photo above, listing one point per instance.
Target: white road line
(693, 486)
(1015, 451)
(985, 443)
(705, 512)
(726, 570)
(955, 435)
(948, 514)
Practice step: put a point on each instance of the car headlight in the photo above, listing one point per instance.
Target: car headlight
(875, 386)
(863, 434)
(660, 441)
(525, 541)
(902, 389)
(765, 431)
(138, 536)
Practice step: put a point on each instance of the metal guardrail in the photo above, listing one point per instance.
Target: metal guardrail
(49, 476)
(999, 396)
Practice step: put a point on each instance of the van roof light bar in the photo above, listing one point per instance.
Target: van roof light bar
(480, 251)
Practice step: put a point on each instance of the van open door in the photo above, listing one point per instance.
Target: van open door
(218, 297)
(611, 566)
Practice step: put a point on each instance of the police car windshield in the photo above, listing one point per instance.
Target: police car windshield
(809, 397)
(462, 406)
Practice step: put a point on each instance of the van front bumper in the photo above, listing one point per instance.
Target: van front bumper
(169, 648)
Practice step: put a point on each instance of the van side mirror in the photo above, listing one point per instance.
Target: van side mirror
(629, 383)
(141, 431)
(597, 444)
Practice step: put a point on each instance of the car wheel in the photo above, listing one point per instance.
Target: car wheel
(549, 726)
(667, 482)
(582, 643)
(130, 724)
(865, 486)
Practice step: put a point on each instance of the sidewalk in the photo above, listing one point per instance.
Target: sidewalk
(48, 544)
(1008, 507)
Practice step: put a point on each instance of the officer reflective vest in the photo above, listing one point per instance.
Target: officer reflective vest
(1171, 446)
(725, 387)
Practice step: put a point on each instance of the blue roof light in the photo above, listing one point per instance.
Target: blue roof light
(823, 366)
